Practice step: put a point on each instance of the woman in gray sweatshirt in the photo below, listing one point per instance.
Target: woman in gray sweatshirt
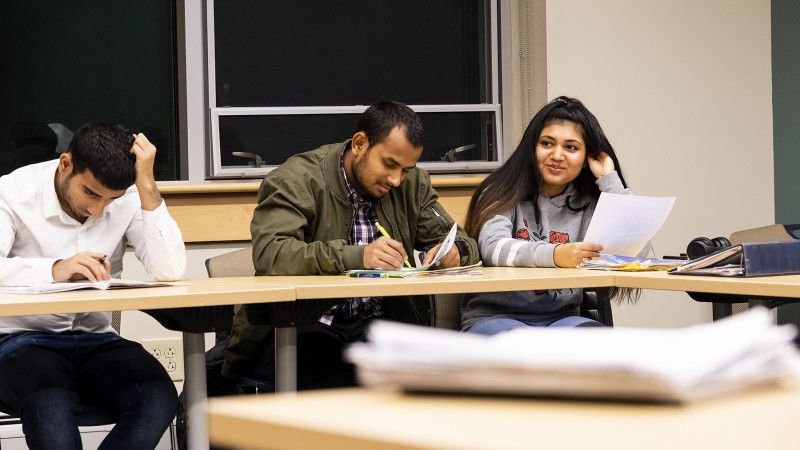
(534, 210)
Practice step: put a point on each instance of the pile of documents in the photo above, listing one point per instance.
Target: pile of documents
(680, 365)
(629, 263)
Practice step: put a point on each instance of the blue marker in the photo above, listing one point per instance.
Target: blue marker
(369, 275)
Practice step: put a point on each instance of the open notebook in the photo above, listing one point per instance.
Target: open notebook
(114, 283)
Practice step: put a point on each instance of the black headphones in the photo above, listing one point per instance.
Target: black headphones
(703, 246)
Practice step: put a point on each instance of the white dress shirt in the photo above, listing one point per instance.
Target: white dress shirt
(35, 232)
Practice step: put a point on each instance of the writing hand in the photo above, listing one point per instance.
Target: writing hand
(145, 180)
(384, 253)
(451, 259)
(572, 254)
(602, 165)
(82, 266)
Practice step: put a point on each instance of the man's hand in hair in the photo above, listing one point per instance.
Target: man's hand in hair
(145, 180)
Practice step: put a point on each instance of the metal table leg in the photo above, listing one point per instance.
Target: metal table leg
(194, 389)
(285, 359)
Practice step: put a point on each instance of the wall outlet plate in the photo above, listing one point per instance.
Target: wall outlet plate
(169, 352)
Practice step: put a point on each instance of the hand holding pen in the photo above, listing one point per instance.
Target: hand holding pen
(385, 253)
(82, 266)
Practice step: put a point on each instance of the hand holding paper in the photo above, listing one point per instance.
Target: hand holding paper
(623, 224)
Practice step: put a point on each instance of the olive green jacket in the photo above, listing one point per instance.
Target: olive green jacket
(304, 216)
(301, 226)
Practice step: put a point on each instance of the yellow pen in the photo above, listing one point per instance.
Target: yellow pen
(383, 232)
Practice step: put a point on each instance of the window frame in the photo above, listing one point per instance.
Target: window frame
(499, 105)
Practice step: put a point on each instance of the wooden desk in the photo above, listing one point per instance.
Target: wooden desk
(358, 418)
(493, 279)
(776, 286)
(204, 292)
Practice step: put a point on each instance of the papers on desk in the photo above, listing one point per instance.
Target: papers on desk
(629, 263)
(114, 283)
(623, 224)
(681, 365)
(426, 270)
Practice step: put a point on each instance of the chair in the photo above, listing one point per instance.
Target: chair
(446, 309)
(284, 316)
(723, 305)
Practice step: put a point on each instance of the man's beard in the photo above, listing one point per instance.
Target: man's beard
(359, 168)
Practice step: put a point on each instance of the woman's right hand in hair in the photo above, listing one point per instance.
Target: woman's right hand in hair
(602, 165)
(573, 253)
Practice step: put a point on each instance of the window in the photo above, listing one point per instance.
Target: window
(286, 77)
(69, 63)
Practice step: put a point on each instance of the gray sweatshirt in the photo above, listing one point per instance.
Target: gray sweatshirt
(514, 238)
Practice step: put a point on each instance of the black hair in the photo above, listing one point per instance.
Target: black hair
(518, 179)
(105, 150)
(381, 118)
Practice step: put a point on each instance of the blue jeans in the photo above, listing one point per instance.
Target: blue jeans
(494, 325)
(45, 377)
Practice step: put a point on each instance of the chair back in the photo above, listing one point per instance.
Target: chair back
(238, 263)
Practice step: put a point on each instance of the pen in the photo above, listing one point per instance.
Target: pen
(383, 232)
(369, 275)
(102, 260)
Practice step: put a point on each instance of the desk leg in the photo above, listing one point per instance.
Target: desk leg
(721, 310)
(194, 391)
(285, 359)
(752, 302)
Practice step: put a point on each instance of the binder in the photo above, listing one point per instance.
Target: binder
(749, 259)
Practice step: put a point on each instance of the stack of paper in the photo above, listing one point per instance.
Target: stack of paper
(730, 355)
(629, 263)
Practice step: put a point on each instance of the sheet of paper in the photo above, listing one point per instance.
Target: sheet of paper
(623, 224)
(447, 244)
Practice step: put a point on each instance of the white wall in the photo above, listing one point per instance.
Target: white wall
(683, 90)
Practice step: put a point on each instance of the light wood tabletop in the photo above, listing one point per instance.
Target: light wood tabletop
(359, 418)
(493, 279)
(778, 286)
(201, 292)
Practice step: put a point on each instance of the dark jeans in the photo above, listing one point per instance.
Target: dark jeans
(46, 376)
(319, 355)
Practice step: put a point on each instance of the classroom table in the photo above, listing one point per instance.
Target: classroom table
(497, 279)
(202, 292)
(379, 419)
(493, 279)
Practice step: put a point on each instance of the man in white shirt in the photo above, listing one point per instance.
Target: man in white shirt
(71, 219)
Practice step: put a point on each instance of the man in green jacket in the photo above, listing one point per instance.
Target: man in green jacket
(316, 215)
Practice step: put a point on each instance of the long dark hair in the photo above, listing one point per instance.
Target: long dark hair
(518, 179)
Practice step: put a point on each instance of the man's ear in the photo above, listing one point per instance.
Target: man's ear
(360, 143)
(65, 163)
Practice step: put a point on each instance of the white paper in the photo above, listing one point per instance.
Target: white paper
(447, 244)
(624, 224)
(675, 365)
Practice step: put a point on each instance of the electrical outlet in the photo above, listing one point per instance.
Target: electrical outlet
(169, 352)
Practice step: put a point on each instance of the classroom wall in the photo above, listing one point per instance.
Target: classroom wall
(683, 91)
